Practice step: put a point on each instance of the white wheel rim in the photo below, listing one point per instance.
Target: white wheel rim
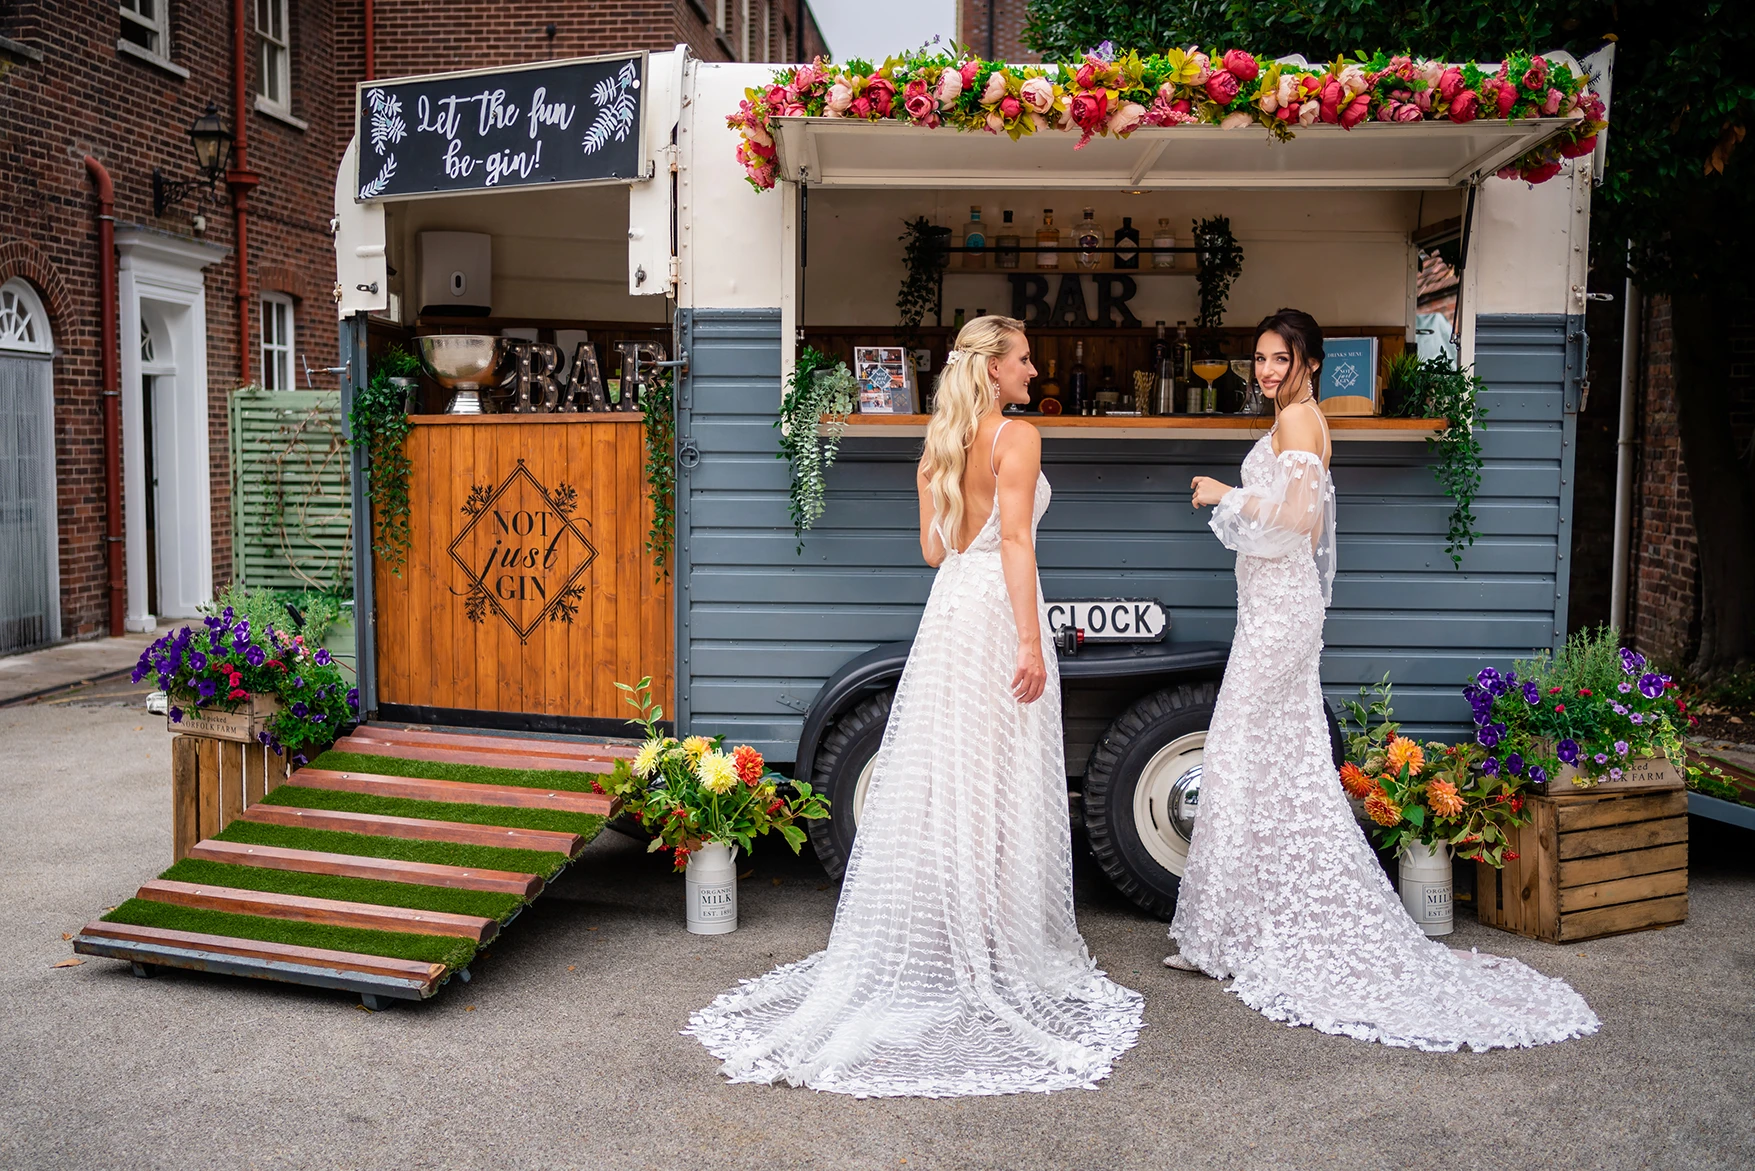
(1168, 791)
(859, 788)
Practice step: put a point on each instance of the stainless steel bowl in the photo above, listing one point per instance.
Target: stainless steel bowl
(460, 361)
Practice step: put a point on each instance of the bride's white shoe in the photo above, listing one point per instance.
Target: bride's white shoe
(1181, 965)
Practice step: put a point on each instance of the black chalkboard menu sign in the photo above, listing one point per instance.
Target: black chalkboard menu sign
(551, 123)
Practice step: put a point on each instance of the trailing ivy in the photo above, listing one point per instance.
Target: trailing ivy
(924, 256)
(380, 426)
(660, 409)
(811, 452)
(1437, 389)
(1221, 259)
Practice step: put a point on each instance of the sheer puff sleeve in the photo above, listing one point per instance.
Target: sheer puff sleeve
(1294, 507)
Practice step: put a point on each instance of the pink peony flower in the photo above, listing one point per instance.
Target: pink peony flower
(1387, 111)
(1408, 112)
(1010, 107)
(776, 96)
(760, 137)
(1088, 111)
(1125, 117)
(861, 107)
(1038, 94)
(950, 88)
(762, 177)
(1509, 171)
(882, 92)
(1551, 103)
(1592, 106)
(1356, 111)
(1353, 79)
(1579, 147)
(1423, 100)
(808, 76)
(1222, 87)
(917, 101)
(1429, 72)
(1537, 75)
(1038, 121)
(1242, 65)
(995, 123)
(1507, 97)
(1465, 106)
(1331, 100)
(1236, 120)
(840, 98)
(1086, 77)
(1450, 83)
(1203, 67)
(969, 69)
(1309, 112)
(994, 90)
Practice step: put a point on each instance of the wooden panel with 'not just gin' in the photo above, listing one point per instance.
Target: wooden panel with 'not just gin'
(528, 587)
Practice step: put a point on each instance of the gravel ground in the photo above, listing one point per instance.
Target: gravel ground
(564, 1051)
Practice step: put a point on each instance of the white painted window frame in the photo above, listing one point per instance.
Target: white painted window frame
(158, 28)
(273, 56)
(282, 348)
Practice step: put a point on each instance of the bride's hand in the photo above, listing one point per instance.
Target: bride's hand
(1031, 676)
(1208, 491)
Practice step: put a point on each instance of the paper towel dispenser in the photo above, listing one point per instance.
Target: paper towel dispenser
(456, 274)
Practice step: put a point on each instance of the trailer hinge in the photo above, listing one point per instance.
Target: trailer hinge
(1576, 373)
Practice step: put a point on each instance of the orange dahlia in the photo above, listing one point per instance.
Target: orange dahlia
(1379, 808)
(1444, 799)
(1405, 751)
(1354, 780)
(750, 765)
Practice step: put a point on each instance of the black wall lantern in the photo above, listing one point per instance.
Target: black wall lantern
(213, 150)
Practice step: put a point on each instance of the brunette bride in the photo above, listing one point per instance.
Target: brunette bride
(1281, 891)
(954, 966)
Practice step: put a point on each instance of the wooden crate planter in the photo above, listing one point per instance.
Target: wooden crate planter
(1642, 774)
(243, 725)
(214, 780)
(1592, 863)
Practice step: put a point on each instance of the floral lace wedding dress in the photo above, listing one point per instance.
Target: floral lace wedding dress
(1281, 890)
(954, 967)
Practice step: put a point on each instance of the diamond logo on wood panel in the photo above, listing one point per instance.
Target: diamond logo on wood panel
(523, 551)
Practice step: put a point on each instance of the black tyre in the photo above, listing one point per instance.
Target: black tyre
(1142, 792)
(841, 773)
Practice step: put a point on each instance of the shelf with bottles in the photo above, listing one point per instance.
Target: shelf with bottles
(1009, 248)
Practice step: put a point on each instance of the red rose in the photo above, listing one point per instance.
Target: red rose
(1010, 106)
(1465, 106)
(1507, 99)
(1331, 101)
(1241, 64)
(1088, 111)
(1222, 87)
(1450, 83)
(1356, 111)
(917, 101)
(882, 93)
(776, 96)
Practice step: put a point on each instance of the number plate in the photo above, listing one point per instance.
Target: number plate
(1112, 619)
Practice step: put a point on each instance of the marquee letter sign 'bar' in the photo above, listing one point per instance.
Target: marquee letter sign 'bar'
(558, 122)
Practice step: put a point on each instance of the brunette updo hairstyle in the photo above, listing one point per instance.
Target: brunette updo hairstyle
(1302, 336)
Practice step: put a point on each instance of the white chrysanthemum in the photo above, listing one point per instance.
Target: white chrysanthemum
(717, 772)
(646, 760)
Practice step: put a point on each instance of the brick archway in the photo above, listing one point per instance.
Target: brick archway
(20, 258)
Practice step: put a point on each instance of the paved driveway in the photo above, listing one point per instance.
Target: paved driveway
(564, 1051)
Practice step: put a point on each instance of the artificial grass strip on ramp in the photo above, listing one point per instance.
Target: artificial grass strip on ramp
(540, 862)
(439, 770)
(433, 949)
(378, 892)
(586, 825)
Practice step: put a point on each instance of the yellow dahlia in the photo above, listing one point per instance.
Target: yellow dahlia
(1354, 780)
(696, 747)
(1402, 751)
(1379, 808)
(717, 772)
(1444, 799)
(646, 760)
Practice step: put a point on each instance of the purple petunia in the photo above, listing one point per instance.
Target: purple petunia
(197, 661)
(255, 656)
(1614, 774)
(298, 682)
(322, 657)
(1651, 686)
(1490, 766)
(299, 710)
(1567, 751)
(1624, 687)
(262, 738)
(1632, 662)
(176, 715)
(1514, 764)
(300, 758)
(1538, 774)
(353, 699)
(1488, 736)
(1637, 718)
(1602, 758)
(1621, 747)
(1532, 694)
(1617, 709)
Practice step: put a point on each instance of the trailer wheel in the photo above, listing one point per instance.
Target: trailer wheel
(841, 775)
(1142, 792)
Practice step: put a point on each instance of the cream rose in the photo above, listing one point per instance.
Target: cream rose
(1125, 117)
(950, 88)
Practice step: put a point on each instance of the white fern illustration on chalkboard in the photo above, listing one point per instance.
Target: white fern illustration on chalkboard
(616, 108)
(387, 129)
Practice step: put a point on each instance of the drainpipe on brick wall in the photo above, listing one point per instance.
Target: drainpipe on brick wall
(1631, 322)
(371, 42)
(241, 180)
(112, 394)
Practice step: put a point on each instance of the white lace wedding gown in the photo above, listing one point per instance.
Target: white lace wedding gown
(1281, 890)
(954, 966)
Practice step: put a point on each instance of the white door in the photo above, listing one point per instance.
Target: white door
(30, 604)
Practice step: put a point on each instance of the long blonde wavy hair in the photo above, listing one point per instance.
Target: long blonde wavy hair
(965, 396)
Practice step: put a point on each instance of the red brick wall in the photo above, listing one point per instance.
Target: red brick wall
(1665, 610)
(1008, 29)
(85, 97)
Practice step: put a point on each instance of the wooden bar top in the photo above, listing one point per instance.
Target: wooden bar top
(506, 420)
(1186, 427)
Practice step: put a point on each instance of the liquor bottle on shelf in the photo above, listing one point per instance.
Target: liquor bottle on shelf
(1183, 359)
(1163, 238)
(957, 319)
(1108, 394)
(1005, 253)
(1164, 375)
(1088, 239)
(1049, 402)
(1048, 236)
(1079, 382)
(975, 237)
(1127, 244)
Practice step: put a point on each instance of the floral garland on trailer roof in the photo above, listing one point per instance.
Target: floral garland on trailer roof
(1114, 94)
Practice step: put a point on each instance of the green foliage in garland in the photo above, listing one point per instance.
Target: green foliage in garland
(1436, 389)
(809, 398)
(660, 409)
(380, 426)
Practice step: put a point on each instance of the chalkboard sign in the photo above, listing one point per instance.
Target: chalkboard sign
(558, 122)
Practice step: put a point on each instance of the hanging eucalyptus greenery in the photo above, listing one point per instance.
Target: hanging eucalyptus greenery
(1220, 260)
(813, 414)
(924, 255)
(659, 404)
(1437, 389)
(379, 420)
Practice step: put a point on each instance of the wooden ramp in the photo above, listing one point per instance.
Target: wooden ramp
(284, 862)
